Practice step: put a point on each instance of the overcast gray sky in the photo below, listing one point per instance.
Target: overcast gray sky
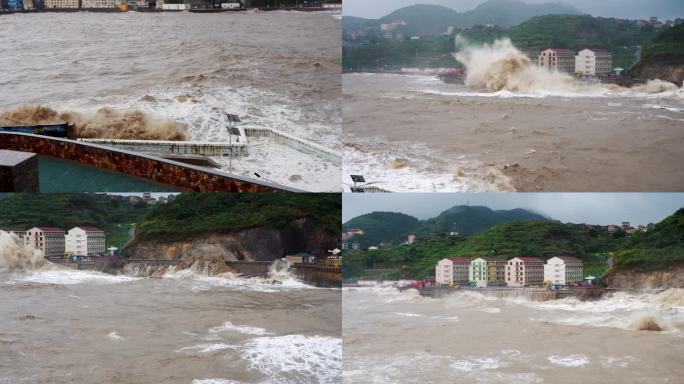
(594, 208)
(632, 9)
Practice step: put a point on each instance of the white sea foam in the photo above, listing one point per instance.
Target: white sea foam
(411, 167)
(230, 327)
(215, 381)
(114, 336)
(69, 277)
(308, 358)
(206, 348)
(570, 360)
(477, 364)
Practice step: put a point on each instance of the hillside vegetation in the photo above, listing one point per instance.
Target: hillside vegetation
(201, 213)
(114, 215)
(543, 239)
(576, 32)
(660, 248)
(663, 57)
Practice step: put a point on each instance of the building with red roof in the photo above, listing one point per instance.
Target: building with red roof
(48, 240)
(453, 271)
(524, 271)
(558, 59)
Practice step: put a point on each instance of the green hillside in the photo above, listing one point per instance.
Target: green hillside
(469, 220)
(660, 248)
(622, 37)
(392, 227)
(197, 213)
(432, 20)
(113, 214)
(542, 239)
(663, 57)
(380, 227)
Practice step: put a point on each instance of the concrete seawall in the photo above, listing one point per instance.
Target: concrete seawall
(529, 293)
(179, 175)
(296, 143)
(162, 147)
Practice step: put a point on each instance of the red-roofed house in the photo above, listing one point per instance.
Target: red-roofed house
(85, 241)
(563, 270)
(524, 271)
(49, 240)
(562, 60)
(453, 271)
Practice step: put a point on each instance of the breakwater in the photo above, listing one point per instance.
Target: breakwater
(184, 176)
(529, 293)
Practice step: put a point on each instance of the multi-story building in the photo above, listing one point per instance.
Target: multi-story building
(524, 271)
(85, 241)
(62, 4)
(19, 232)
(533, 55)
(411, 238)
(100, 3)
(453, 271)
(563, 270)
(488, 272)
(594, 62)
(562, 60)
(49, 240)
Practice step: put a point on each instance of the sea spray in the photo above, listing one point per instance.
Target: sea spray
(17, 256)
(500, 66)
(106, 123)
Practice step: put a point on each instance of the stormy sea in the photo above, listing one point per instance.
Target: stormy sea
(61, 325)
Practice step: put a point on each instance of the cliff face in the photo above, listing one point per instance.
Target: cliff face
(258, 244)
(662, 279)
(669, 72)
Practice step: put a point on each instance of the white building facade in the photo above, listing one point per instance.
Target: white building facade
(594, 62)
(524, 271)
(48, 240)
(85, 241)
(563, 270)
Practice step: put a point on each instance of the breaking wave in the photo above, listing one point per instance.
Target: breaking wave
(16, 256)
(205, 275)
(501, 67)
(105, 123)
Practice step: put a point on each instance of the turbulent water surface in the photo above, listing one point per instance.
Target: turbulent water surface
(66, 326)
(392, 336)
(154, 71)
(527, 131)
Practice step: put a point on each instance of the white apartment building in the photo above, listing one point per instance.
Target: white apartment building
(524, 271)
(488, 272)
(85, 241)
(61, 3)
(563, 270)
(561, 60)
(594, 62)
(49, 240)
(453, 271)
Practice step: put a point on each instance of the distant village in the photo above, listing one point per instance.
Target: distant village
(79, 242)
(517, 272)
(158, 5)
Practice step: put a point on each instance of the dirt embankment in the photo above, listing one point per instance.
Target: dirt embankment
(664, 279)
